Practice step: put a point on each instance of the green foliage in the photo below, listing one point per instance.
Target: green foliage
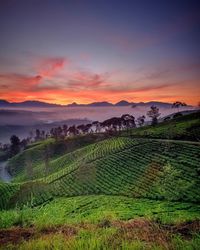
(36, 152)
(181, 128)
(98, 209)
(175, 177)
(90, 179)
(118, 166)
(7, 191)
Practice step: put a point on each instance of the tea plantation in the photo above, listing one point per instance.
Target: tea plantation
(102, 182)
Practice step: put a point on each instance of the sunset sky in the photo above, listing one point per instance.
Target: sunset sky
(63, 51)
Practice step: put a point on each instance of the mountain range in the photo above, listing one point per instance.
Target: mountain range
(122, 103)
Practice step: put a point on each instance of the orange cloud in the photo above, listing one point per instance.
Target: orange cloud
(53, 83)
(13, 81)
(186, 92)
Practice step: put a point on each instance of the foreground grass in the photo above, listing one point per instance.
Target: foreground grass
(134, 234)
(101, 240)
(94, 208)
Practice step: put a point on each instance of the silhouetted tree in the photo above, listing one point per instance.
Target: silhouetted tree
(24, 143)
(65, 129)
(153, 113)
(88, 127)
(37, 135)
(43, 134)
(15, 145)
(140, 120)
(97, 126)
(82, 129)
(178, 104)
(73, 130)
(128, 121)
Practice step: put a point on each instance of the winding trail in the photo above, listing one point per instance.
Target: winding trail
(4, 175)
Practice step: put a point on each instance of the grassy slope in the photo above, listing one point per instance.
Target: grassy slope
(120, 166)
(132, 170)
(182, 128)
(94, 208)
(102, 222)
(35, 152)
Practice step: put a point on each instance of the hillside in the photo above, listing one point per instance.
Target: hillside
(117, 166)
(36, 151)
(186, 127)
(141, 178)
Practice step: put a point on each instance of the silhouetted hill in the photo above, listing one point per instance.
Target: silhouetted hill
(122, 103)
(100, 104)
(36, 104)
(4, 103)
(154, 103)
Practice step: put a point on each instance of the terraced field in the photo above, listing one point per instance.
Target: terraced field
(90, 191)
(182, 128)
(35, 154)
(94, 208)
(6, 193)
(117, 166)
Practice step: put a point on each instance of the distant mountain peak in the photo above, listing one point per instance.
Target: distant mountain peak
(104, 103)
(3, 101)
(31, 103)
(123, 103)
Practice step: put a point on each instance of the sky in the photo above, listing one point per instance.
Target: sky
(64, 51)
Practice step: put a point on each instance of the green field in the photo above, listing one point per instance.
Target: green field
(117, 192)
(183, 128)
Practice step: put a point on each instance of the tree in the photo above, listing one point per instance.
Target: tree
(15, 145)
(97, 126)
(153, 113)
(178, 104)
(65, 129)
(128, 121)
(82, 128)
(24, 143)
(88, 128)
(38, 135)
(140, 120)
(43, 134)
(73, 130)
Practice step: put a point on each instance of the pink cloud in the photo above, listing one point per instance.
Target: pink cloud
(51, 66)
(13, 81)
(86, 80)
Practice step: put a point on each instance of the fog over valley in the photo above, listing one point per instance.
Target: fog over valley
(21, 121)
